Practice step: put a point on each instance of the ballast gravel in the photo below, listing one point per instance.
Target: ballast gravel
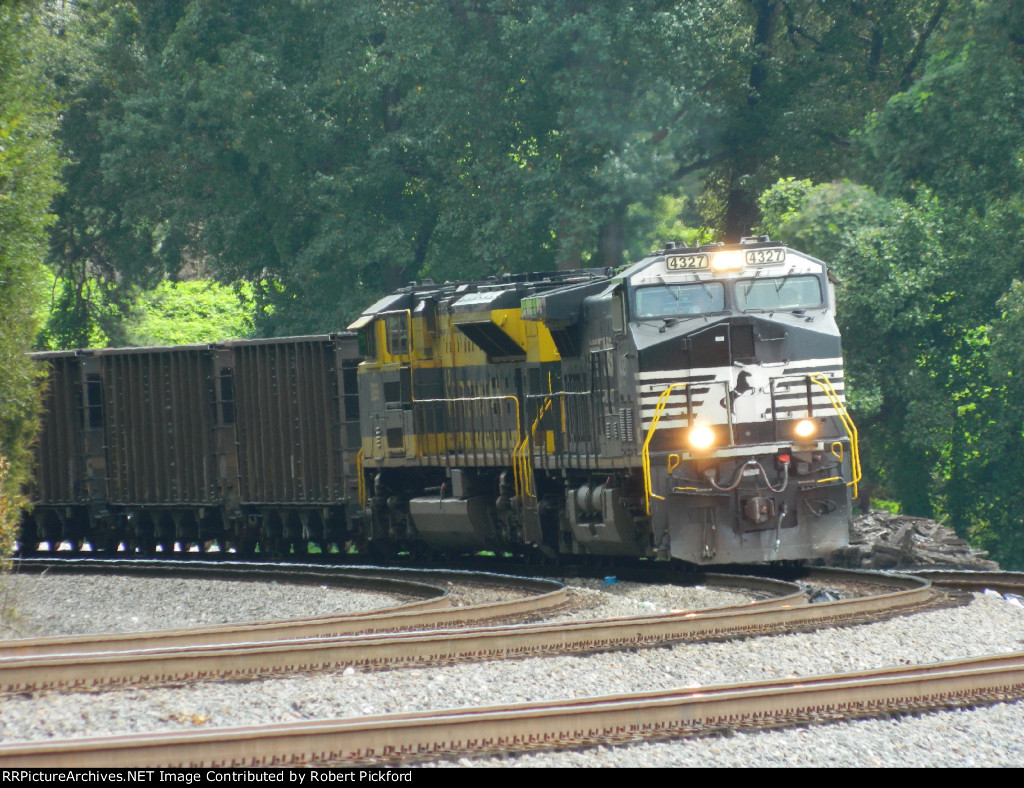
(989, 736)
(49, 605)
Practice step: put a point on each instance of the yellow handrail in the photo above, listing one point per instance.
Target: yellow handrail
(361, 481)
(848, 425)
(645, 455)
(520, 453)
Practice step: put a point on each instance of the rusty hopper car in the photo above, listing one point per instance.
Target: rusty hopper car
(295, 417)
(240, 443)
(69, 484)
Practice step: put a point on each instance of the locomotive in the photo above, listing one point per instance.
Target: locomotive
(689, 406)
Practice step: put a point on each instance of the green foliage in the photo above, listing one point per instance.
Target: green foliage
(992, 470)
(182, 313)
(435, 140)
(959, 129)
(28, 168)
(172, 313)
(798, 78)
(339, 150)
(931, 319)
(669, 218)
(69, 315)
(882, 505)
(98, 255)
(955, 139)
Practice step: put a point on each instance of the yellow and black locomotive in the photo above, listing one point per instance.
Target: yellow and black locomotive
(688, 406)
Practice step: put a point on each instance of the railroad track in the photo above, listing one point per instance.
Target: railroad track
(430, 607)
(395, 639)
(619, 718)
(603, 720)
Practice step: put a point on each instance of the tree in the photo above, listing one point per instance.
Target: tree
(97, 253)
(28, 168)
(329, 157)
(801, 76)
(959, 129)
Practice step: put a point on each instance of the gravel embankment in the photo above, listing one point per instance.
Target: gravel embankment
(42, 606)
(989, 737)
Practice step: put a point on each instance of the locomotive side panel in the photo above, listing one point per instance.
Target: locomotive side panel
(468, 395)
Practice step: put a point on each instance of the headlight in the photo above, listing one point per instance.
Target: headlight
(727, 261)
(805, 428)
(701, 438)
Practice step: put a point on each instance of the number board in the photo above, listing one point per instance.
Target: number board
(765, 256)
(686, 262)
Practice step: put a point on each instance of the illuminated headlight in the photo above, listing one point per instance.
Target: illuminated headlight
(701, 438)
(727, 261)
(805, 428)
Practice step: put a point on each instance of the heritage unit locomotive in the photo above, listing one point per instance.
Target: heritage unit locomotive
(688, 406)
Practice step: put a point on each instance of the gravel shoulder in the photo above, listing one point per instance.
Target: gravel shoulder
(62, 605)
(989, 737)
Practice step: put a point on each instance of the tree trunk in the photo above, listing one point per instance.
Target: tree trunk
(612, 238)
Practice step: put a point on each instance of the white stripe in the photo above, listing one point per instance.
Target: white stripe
(650, 395)
(791, 368)
(684, 375)
(678, 421)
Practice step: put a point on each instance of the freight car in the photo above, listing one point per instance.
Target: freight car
(688, 406)
(244, 443)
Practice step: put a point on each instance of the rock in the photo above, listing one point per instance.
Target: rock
(880, 540)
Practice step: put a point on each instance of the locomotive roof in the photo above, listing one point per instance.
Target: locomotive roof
(506, 290)
(492, 291)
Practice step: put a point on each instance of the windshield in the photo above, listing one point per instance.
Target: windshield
(673, 300)
(790, 292)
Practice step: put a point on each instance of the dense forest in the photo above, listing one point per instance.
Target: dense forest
(271, 168)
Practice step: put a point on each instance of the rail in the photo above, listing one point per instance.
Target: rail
(244, 658)
(667, 713)
(552, 724)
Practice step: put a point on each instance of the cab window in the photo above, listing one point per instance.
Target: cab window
(667, 300)
(778, 293)
(397, 330)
